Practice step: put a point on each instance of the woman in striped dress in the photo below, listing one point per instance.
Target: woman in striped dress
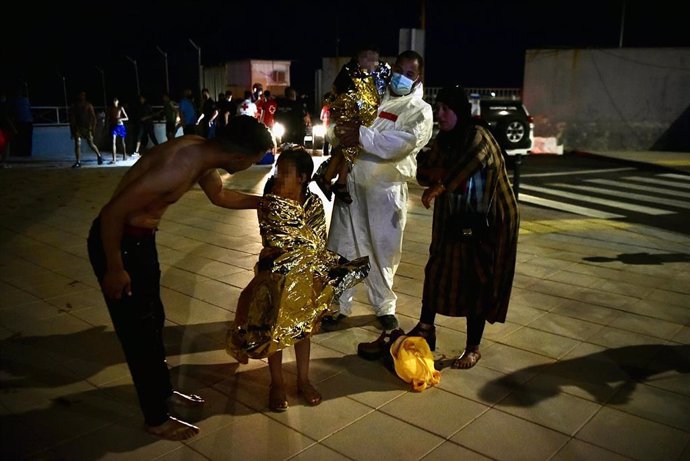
(475, 226)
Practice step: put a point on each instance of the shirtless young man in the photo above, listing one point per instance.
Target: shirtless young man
(122, 250)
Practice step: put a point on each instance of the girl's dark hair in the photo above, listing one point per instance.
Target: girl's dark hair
(299, 157)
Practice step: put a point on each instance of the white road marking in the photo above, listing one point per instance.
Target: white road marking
(627, 185)
(567, 207)
(630, 195)
(600, 201)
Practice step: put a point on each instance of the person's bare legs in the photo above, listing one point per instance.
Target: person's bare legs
(467, 359)
(340, 186)
(173, 429)
(114, 147)
(94, 147)
(277, 398)
(304, 387)
(334, 166)
(77, 150)
(471, 355)
(342, 173)
(124, 149)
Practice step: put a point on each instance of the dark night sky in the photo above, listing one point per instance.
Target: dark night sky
(474, 42)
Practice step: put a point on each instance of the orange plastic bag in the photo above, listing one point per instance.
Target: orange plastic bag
(414, 363)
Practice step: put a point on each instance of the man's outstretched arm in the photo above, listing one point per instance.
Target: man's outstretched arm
(212, 185)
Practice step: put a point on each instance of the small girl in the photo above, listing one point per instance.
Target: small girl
(296, 279)
(357, 92)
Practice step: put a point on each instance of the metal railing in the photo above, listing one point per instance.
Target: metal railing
(58, 115)
(430, 93)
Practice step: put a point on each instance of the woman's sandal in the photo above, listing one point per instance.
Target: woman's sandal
(341, 192)
(277, 400)
(466, 360)
(428, 332)
(311, 396)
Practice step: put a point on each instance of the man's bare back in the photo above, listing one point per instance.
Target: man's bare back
(157, 180)
(169, 171)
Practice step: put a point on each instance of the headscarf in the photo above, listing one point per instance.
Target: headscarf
(455, 97)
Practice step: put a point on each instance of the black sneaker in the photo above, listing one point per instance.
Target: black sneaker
(100, 160)
(388, 322)
(330, 323)
(76, 165)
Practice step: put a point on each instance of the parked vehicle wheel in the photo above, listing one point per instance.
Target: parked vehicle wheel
(512, 132)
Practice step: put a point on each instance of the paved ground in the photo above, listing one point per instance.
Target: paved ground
(592, 363)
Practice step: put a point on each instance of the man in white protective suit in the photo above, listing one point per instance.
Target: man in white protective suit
(373, 224)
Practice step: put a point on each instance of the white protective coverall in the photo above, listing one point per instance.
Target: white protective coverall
(373, 224)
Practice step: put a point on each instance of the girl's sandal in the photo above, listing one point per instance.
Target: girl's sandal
(277, 401)
(468, 359)
(311, 396)
(341, 192)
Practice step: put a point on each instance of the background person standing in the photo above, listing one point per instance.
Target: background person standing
(7, 131)
(188, 116)
(209, 112)
(171, 111)
(23, 123)
(117, 116)
(293, 114)
(82, 124)
(146, 128)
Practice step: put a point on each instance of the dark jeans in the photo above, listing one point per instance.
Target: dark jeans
(138, 320)
(146, 131)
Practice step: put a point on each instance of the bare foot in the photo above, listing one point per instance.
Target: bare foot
(186, 400)
(277, 399)
(309, 393)
(468, 359)
(173, 429)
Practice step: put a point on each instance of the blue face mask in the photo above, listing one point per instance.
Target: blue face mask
(401, 85)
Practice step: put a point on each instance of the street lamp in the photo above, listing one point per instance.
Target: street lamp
(167, 80)
(136, 73)
(199, 61)
(64, 92)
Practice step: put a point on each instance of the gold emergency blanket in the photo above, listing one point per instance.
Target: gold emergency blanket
(357, 102)
(295, 282)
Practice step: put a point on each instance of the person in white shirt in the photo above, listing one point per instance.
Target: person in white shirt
(247, 106)
(373, 224)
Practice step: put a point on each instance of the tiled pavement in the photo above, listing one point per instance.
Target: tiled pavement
(593, 362)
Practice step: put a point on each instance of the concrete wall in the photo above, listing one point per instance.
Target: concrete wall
(610, 99)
